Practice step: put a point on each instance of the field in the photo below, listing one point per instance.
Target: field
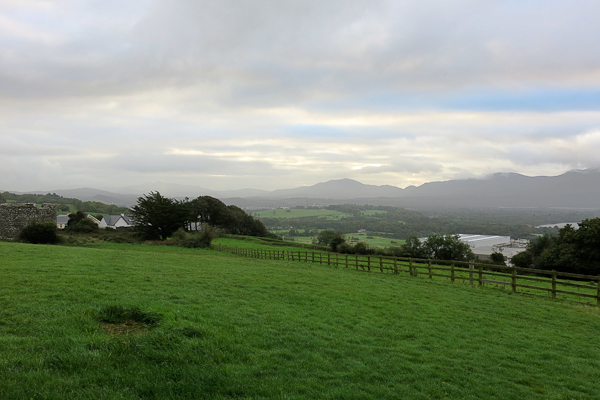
(301, 213)
(259, 329)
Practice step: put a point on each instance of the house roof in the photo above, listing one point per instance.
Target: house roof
(111, 220)
(62, 219)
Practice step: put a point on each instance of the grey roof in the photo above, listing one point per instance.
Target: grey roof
(111, 220)
(62, 219)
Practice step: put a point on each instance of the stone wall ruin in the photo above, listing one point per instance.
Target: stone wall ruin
(16, 216)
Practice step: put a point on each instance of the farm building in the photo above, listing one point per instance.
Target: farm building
(476, 241)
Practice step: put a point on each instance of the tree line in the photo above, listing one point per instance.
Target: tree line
(399, 223)
(572, 250)
(157, 217)
(63, 202)
(435, 247)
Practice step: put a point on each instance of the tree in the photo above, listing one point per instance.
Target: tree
(414, 248)
(497, 258)
(207, 209)
(447, 247)
(573, 250)
(158, 217)
(330, 238)
(75, 217)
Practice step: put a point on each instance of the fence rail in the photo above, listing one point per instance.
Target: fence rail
(555, 282)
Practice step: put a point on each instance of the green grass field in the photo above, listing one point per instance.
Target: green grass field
(301, 213)
(259, 329)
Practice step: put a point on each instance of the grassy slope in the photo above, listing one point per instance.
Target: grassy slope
(244, 328)
(301, 213)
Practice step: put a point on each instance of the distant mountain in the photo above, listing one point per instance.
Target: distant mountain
(574, 189)
(338, 189)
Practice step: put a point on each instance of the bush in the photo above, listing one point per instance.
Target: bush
(180, 235)
(202, 240)
(40, 233)
(83, 226)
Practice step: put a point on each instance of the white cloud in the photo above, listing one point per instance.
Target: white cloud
(275, 94)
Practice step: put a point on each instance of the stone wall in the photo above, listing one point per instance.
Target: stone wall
(15, 216)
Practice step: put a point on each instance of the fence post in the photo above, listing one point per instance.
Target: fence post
(452, 272)
(381, 264)
(480, 275)
(313, 256)
(553, 284)
(429, 269)
(369, 263)
(356, 259)
(337, 261)
(396, 266)
(514, 280)
(598, 301)
(471, 268)
(346, 260)
(328, 258)
(410, 267)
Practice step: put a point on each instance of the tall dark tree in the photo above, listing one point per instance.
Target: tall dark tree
(207, 209)
(158, 217)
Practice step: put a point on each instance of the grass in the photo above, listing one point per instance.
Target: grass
(301, 213)
(257, 329)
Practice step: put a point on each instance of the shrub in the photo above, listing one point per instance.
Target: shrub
(179, 235)
(202, 240)
(83, 226)
(40, 233)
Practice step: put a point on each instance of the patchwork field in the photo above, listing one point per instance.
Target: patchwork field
(260, 329)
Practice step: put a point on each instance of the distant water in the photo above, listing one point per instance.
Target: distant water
(575, 225)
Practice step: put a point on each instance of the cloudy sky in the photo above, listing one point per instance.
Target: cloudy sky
(276, 94)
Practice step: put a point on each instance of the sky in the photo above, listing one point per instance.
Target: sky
(273, 94)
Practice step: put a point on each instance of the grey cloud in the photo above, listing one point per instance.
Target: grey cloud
(156, 163)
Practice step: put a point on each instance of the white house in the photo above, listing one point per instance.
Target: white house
(116, 221)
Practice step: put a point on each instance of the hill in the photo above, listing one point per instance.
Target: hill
(578, 189)
(244, 328)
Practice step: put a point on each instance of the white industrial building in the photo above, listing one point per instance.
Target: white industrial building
(476, 241)
(484, 245)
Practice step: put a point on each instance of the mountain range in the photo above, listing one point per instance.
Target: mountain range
(573, 189)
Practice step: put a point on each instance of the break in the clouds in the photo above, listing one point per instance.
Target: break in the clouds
(275, 94)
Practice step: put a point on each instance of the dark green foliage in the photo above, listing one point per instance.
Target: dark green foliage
(573, 250)
(75, 217)
(522, 260)
(438, 247)
(239, 222)
(90, 206)
(414, 248)
(116, 314)
(447, 247)
(207, 209)
(64, 207)
(40, 233)
(202, 240)
(80, 223)
(497, 258)
(158, 217)
(359, 248)
(232, 219)
(330, 238)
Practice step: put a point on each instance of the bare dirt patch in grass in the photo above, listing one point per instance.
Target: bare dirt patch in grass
(126, 328)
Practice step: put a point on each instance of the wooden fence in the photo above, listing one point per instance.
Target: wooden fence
(556, 284)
